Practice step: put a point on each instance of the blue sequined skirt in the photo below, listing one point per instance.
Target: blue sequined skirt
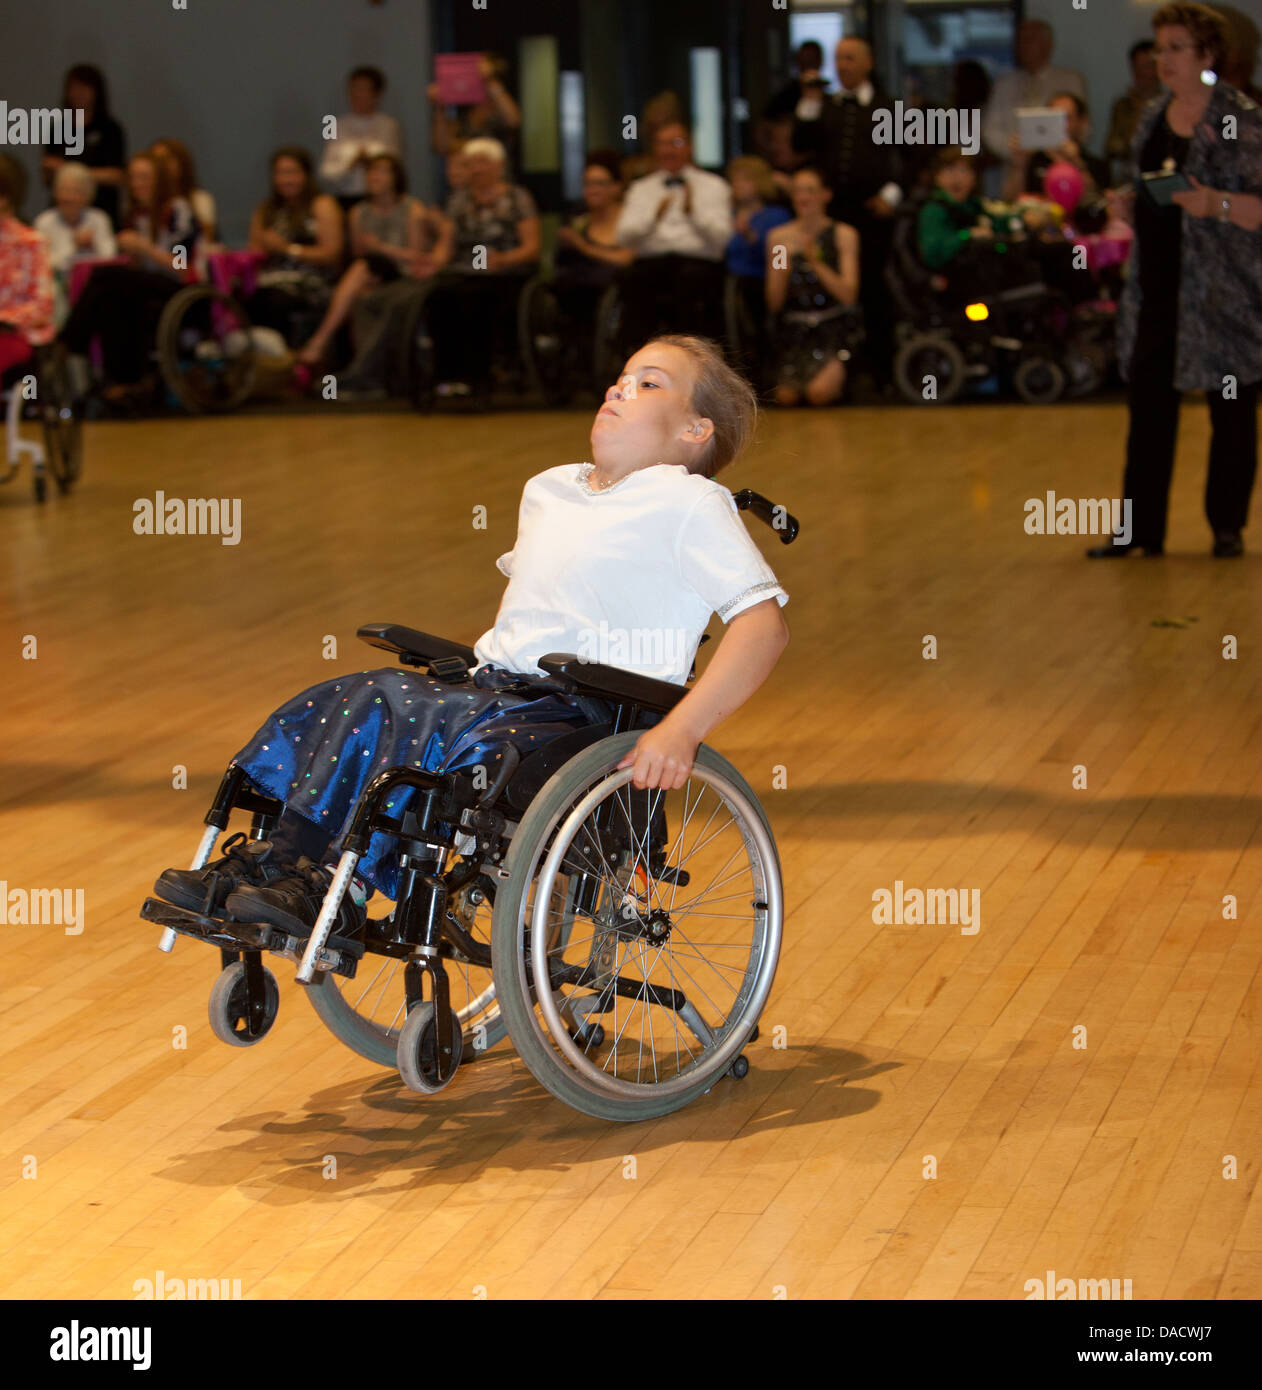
(320, 750)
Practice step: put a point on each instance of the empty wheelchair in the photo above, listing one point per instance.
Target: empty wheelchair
(625, 940)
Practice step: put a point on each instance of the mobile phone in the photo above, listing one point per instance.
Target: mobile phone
(1163, 184)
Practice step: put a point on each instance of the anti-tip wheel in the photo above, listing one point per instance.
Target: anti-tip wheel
(231, 1020)
(418, 1050)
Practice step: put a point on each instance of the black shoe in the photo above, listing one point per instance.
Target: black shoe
(1228, 545)
(1116, 548)
(206, 890)
(293, 902)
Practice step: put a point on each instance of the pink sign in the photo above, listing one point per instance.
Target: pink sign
(459, 78)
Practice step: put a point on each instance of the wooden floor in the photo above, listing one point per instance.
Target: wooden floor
(1083, 1071)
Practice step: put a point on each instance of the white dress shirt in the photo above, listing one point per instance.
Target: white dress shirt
(356, 135)
(1021, 88)
(704, 232)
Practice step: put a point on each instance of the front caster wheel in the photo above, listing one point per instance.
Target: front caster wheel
(418, 1051)
(232, 1018)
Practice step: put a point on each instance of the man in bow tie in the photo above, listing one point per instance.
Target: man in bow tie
(677, 220)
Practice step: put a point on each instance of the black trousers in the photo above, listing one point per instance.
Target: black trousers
(468, 315)
(121, 305)
(671, 294)
(1154, 427)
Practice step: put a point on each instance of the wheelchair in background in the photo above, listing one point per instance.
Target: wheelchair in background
(624, 940)
(1029, 335)
(39, 388)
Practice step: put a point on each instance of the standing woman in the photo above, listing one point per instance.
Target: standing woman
(104, 145)
(299, 230)
(1191, 313)
(812, 281)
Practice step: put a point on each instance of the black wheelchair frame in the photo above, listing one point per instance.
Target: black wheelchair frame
(421, 930)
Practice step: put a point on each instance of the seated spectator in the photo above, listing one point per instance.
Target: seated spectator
(494, 250)
(362, 133)
(177, 157)
(26, 282)
(497, 116)
(980, 250)
(1027, 167)
(104, 145)
(299, 230)
(755, 212)
(1124, 119)
(677, 221)
(588, 256)
(812, 283)
(73, 230)
(393, 239)
(121, 305)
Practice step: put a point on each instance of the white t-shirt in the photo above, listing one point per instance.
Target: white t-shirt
(357, 135)
(627, 576)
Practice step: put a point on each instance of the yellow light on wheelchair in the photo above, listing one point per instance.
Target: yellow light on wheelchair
(977, 313)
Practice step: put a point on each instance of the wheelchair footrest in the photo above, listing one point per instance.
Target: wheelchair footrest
(340, 955)
(187, 923)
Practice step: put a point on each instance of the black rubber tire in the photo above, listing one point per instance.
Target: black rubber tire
(416, 1046)
(180, 384)
(912, 360)
(227, 998)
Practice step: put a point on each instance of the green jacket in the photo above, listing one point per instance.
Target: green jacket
(943, 227)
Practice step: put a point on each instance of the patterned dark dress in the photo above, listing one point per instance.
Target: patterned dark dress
(813, 328)
(319, 751)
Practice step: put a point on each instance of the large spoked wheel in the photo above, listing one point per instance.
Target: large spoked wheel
(205, 351)
(368, 1012)
(929, 369)
(541, 340)
(636, 939)
(231, 1019)
(62, 418)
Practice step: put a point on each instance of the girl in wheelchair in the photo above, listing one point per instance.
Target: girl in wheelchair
(639, 539)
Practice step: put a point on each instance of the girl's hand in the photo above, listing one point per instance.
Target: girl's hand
(662, 757)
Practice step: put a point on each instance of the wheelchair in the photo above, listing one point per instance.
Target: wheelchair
(1029, 335)
(204, 347)
(39, 388)
(624, 940)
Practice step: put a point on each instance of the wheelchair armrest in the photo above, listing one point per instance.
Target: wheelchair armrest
(612, 682)
(414, 648)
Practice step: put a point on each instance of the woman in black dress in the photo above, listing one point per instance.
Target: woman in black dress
(1191, 313)
(812, 287)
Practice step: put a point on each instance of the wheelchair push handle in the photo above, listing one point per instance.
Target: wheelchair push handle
(768, 512)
